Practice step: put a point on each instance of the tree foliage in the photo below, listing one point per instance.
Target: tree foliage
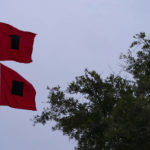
(106, 114)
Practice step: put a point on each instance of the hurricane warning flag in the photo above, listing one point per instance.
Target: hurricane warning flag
(15, 44)
(15, 91)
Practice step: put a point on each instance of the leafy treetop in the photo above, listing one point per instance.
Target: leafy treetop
(106, 114)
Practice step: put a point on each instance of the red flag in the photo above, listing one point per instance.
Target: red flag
(15, 44)
(15, 91)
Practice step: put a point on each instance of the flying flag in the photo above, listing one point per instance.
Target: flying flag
(15, 44)
(15, 91)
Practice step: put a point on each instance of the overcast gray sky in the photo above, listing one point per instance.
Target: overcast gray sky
(72, 35)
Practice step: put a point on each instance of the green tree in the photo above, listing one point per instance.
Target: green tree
(106, 114)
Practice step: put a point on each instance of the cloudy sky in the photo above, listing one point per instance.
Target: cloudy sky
(72, 35)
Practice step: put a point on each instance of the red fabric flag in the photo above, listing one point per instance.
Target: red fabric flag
(15, 44)
(15, 91)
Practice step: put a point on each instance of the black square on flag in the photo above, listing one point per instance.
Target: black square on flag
(15, 39)
(17, 88)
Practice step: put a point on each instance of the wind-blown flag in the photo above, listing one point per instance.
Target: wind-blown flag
(15, 44)
(15, 91)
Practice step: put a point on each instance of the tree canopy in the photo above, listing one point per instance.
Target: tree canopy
(106, 114)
